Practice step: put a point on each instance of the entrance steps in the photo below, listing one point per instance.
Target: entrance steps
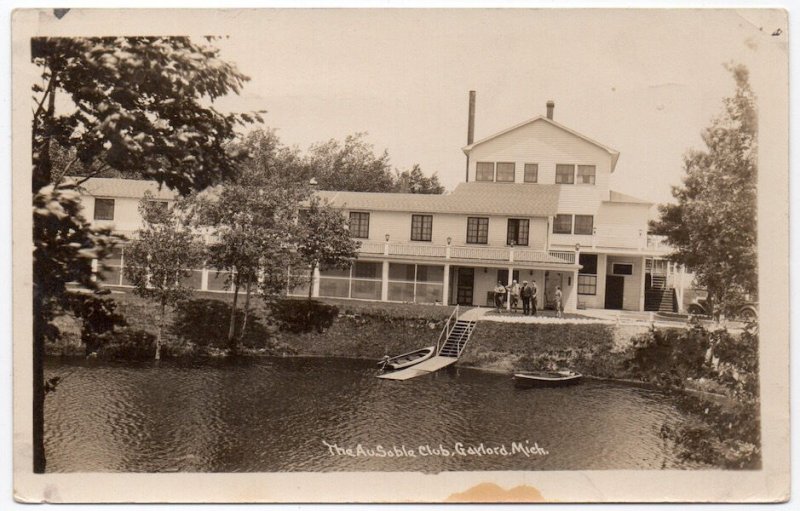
(662, 300)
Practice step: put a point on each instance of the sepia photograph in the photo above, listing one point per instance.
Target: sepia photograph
(494, 255)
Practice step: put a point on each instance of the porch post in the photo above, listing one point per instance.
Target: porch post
(446, 285)
(641, 284)
(385, 282)
(508, 293)
(571, 299)
(315, 285)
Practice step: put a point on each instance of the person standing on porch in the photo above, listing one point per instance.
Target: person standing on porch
(534, 293)
(526, 293)
(499, 293)
(559, 302)
(513, 292)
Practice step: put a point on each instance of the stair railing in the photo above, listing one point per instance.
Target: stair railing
(445, 334)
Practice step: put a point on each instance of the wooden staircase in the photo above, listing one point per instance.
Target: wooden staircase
(660, 299)
(457, 339)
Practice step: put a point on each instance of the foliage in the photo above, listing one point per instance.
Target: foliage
(251, 219)
(98, 316)
(324, 239)
(203, 322)
(670, 356)
(712, 227)
(137, 103)
(722, 434)
(128, 344)
(350, 166)
(298, 316)
(161, 257)
(414, 181)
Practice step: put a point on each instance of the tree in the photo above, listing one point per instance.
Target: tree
(134, 104)
(64, 247)
(160, 258)
(137, 104)
(414, 181)
(350, 166)
(325, 239)
(251, 219)
(712, 227)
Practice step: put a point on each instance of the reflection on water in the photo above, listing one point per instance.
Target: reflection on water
(271, 415)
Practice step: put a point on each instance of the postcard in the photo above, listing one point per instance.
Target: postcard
(401, 255)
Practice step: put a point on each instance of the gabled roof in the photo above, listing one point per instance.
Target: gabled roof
(626, 199)
(125, 188)
(468, 198)
(613, 152)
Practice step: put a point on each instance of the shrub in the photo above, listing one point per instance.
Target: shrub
(299, 316)
(128, 344)
(205, 322)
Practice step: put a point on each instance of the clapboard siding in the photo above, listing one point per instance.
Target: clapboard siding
(546, 145)
(397, 225)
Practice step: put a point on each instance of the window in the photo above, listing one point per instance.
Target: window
(562, 224)
(622, 269)
(587, 275)
(505, 172)
(104, 209)
(359, 225)
(586, 174)
(531, 173)
(477, 230)
(584, 224)
(565, 174)
(589, 263)
(484, 171)
(518, 231)
(421, 227)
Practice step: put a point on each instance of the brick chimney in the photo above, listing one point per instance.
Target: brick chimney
(550, 107)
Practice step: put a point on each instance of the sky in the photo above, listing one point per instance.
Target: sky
(642, 82)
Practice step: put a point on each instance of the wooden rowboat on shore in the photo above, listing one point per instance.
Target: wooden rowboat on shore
(407, 359)
(547, 378)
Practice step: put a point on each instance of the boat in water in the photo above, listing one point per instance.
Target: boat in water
(406, 359)
(560, 378)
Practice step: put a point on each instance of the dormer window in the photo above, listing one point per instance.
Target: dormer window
(565, 174)
(586, 174)
(531, 173)
(484, 171)
(505, 172)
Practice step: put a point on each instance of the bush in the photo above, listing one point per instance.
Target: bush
(205, 323)
(128, 344)
(298, 316)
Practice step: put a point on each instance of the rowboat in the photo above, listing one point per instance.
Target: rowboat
(406, 359)
(547, 378)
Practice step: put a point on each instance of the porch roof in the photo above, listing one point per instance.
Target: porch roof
(468, 198)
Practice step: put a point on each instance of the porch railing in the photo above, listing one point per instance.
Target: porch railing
(494, 254)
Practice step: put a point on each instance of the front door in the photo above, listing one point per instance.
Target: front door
(466, 282)
(615, 289)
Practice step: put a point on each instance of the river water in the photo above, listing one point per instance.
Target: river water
(315, 414)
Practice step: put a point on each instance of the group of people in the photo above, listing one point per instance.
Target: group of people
(528, 294)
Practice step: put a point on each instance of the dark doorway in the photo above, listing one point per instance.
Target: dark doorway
(615, 289)
(466, 283)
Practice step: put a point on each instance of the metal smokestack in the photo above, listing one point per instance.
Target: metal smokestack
(550, 107)
(470, 126)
